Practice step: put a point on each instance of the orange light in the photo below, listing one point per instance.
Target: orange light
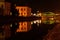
(24, 10)
(24, 27)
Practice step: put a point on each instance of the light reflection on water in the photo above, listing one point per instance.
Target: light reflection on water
(36, 26)
(24, 26)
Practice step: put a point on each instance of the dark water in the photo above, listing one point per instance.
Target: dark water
(35, 31)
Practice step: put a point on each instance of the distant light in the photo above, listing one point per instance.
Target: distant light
(51, 18)
(34, 14)
(31, 22)
(31, 13)
(56, 14)
(10, 13)
(40, 21)
(39, 14)
(10, 25)
(35, 22)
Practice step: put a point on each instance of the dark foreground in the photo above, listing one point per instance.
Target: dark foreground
(34, 34)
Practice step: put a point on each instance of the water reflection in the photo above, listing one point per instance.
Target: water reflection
(5, 32)
(24, 26)
(27, 29)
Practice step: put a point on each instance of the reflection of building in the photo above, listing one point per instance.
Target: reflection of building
(5, 8)
(24, 11)
(24, 26)
(6, 31)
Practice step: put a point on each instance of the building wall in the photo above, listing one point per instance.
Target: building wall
(5, 6)
(24, 10)
(24, 27)
(1, 8)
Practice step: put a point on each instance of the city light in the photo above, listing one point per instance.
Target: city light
(10, 13)
(40, 21)
(57, 14)
(24, 27)
(32, 22)
(35, 22)
(34, 14)
(10, 25)
(29, 19)
(23, 11)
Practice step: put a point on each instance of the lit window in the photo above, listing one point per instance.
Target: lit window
(21, 14)
(22, 28)
(21, 9)
(24, 13)
(24, 9)
(35, 22)
(24, 23)
(21, 24)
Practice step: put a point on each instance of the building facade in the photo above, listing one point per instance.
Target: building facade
(5, 8)
(24, 11)
(24, 27)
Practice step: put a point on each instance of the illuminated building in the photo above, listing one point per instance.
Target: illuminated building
(5, 8)
(24, 11)
(24, 27)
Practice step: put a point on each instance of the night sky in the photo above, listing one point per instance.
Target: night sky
(42, 5)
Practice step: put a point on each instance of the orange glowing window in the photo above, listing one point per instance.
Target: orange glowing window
(25, 23)
(24, 13)
(21, 14)
(22, 28)
(24, 9)
(21, 9)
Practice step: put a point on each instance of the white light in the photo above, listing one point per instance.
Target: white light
(34, 14)
(35, 22)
